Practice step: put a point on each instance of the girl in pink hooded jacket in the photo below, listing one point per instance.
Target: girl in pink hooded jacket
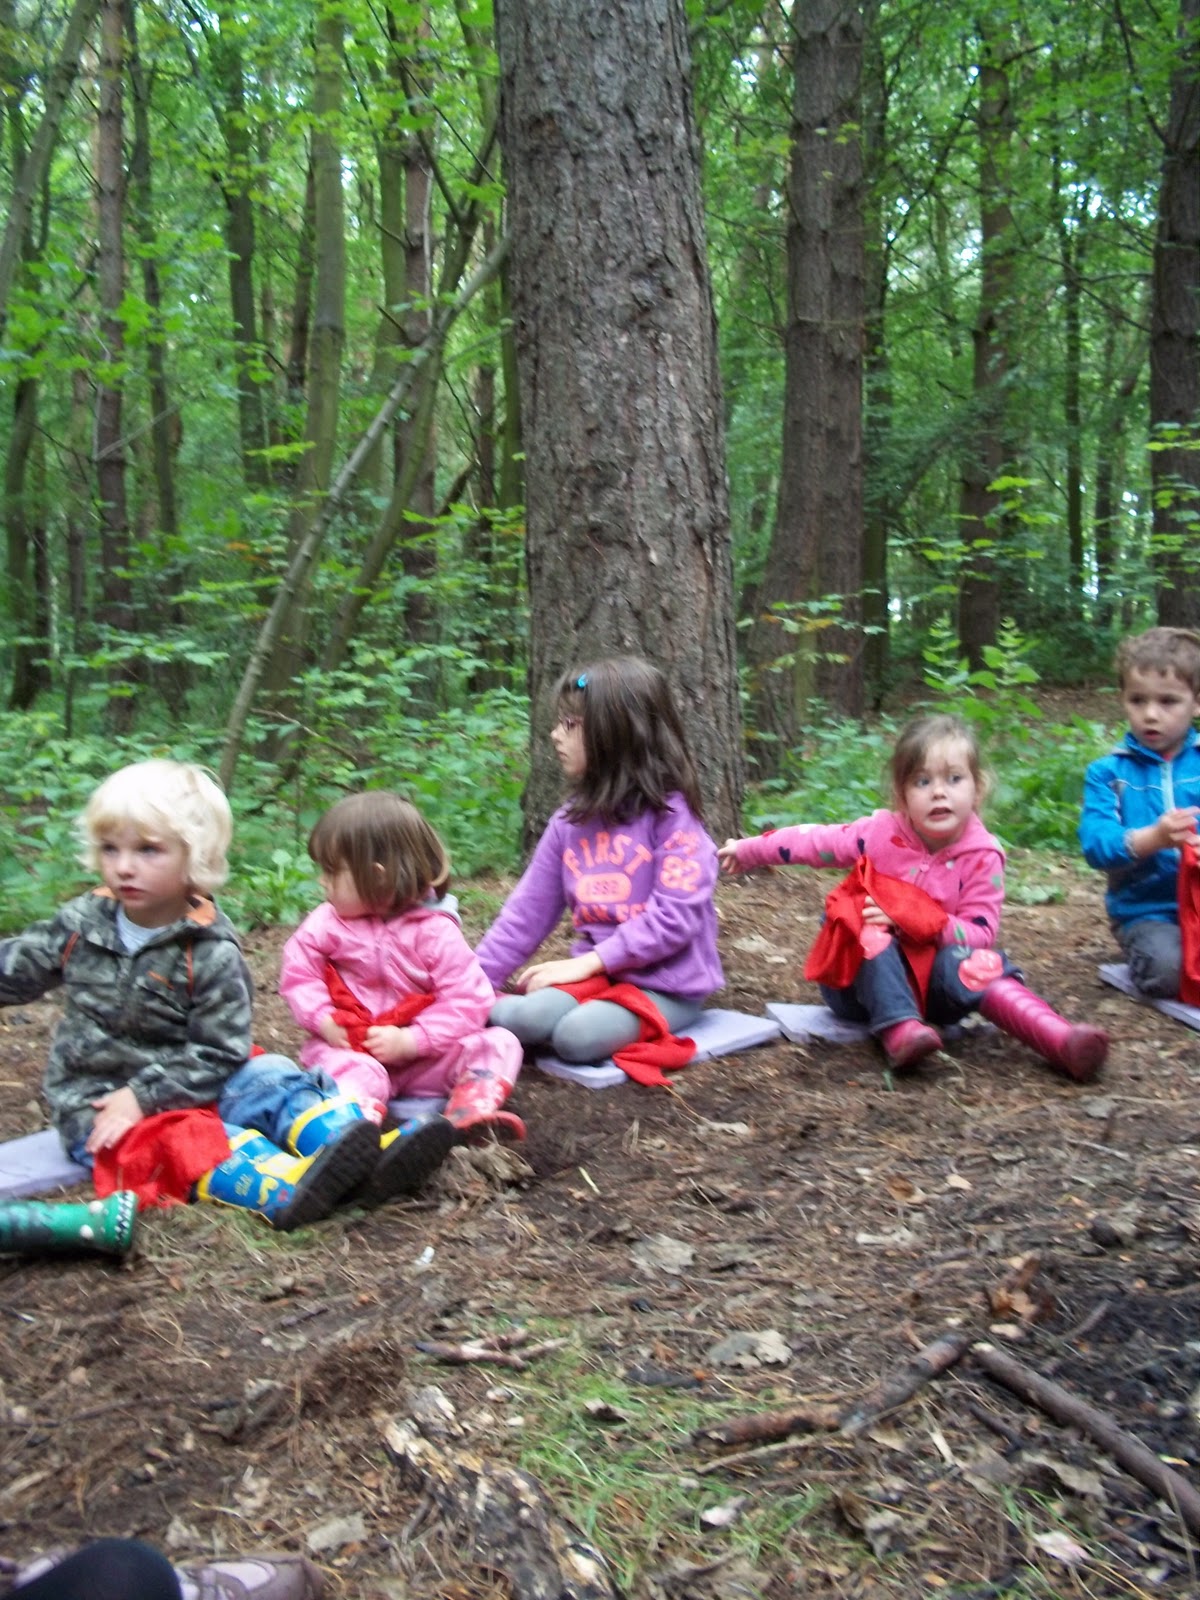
(930, 858)
(381, 978)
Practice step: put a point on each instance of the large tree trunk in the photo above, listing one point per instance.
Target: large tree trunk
(116, 587)
(987, 452)
(628, 521)
(1175, 341)
(817, 546)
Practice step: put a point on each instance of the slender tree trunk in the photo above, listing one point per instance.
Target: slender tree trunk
(800, 648)
(879, 508)
(28, 179)
(979, 502)
(416, 435)
(237, 187)
(296, 370)
(329, 332)
(1175, 342)
(116, 587)
(628, 522)
(165, 430)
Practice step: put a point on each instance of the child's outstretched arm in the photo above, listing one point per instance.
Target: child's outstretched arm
(834, 844)
(530, 914)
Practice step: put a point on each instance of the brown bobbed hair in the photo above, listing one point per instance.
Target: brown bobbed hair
(918, 737)
(1174, 650)
(636, 750)
(394, 857)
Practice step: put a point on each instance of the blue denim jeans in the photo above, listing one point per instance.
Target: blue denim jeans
(882, 992)
(267, 1093)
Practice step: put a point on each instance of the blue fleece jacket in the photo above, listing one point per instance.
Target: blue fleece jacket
(1131, 788)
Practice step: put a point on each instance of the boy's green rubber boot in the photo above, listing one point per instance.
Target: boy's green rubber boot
(62, 1227)
(290, 1191)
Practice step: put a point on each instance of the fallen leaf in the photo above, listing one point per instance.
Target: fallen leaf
(1061, 1548)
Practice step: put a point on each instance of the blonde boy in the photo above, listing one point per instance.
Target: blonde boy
(158, 1006)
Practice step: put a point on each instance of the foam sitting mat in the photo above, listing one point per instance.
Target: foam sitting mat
(35, 1164)
(714, 1033)
(1117, 974)
(801, 1024)
(417, 1106)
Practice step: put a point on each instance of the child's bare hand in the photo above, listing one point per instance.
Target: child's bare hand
(1177, 828)
(391, 1046)
(333, 1033)
(548, 974)
(727, 856)
(116, 1113)
(873, 917)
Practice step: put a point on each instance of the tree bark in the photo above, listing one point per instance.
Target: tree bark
(237, 188)
(325, 375)
(808, 641)
(627, 515)
(116, 589)
(987, 450)
(1175, 342)
(28, 180)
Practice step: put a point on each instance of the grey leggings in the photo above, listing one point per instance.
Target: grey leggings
(583, 1033)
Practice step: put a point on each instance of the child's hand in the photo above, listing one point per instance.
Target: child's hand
(548, 974)
(392, 1046)
(727, 856)
(873, 917)
(333, 1033)
(116, 1113)
(1173, 831)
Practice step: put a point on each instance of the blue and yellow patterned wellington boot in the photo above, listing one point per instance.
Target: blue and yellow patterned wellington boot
(45, 1227)
(408, 1157)
(289, 1191)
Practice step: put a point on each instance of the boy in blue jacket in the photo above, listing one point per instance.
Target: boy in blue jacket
(1141, 803)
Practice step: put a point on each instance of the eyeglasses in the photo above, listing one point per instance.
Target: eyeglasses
(569, 724)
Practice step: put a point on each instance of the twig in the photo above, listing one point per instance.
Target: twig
(814, 1416)
(489, 1350)
(903, 1383)
(1131, 1453)
(851, 1420)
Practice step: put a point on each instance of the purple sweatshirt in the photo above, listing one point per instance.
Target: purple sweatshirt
(640, 895)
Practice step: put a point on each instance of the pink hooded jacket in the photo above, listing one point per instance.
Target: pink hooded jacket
(383, 960)
(966, 878)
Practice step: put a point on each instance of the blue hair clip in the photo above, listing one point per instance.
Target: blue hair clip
(581, 681)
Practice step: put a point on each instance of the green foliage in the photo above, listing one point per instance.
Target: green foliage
(464, 769)
(840, 770)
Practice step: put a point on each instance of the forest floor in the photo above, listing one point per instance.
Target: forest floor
(784, 1226)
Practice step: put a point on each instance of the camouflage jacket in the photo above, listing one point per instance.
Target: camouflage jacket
(171, 1021)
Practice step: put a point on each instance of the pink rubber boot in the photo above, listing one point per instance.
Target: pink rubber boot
(490, 1063)
(905, 1043)
(1077, 1049)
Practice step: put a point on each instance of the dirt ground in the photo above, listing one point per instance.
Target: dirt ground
(227, 1389)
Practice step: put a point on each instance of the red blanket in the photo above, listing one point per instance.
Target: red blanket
(350, 1013)
(657, 1047)
(838, 953)
(1189, 925)
(161, 1157)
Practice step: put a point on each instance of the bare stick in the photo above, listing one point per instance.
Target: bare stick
(1131, 1453)
(902, 1384)
(815, 1416)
